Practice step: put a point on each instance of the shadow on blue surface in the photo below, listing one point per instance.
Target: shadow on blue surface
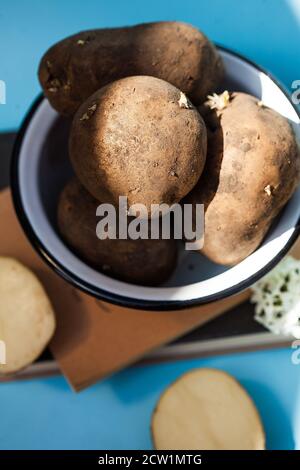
(116, 413)
(275, 420)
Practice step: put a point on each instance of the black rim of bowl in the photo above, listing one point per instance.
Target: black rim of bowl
(102, 294)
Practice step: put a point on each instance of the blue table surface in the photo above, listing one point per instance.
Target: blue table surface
(116, 413)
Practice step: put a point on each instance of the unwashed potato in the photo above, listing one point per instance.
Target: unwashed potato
(145, 262)
(252, 169)
(141, 138)
(27, 320)
(206, 409)
(77, 66)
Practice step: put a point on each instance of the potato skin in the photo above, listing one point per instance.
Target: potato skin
(252, 170)
(136, 138)
(74, 68)
(145, 262)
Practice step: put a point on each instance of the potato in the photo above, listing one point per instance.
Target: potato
(206, 409)
(145, 262)
(27, 320)
(141, 138)
(252, 170)
(77, 66)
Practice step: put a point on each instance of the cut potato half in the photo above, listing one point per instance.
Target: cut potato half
(27, 320)
(206, 409)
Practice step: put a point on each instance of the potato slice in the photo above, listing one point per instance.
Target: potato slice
(206, 409)
(27, 320)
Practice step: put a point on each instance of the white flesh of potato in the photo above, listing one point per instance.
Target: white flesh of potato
(27, 320)
(206, 409)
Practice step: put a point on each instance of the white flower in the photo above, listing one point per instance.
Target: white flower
(218, 102)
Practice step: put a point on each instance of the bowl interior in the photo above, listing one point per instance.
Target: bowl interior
(43, 168)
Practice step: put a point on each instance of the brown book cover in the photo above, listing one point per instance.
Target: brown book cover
(94, 339)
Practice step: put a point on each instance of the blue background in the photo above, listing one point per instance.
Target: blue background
(116, 413)
(267, 31)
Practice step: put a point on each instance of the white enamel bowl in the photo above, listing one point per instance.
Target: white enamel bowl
(40, 168)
